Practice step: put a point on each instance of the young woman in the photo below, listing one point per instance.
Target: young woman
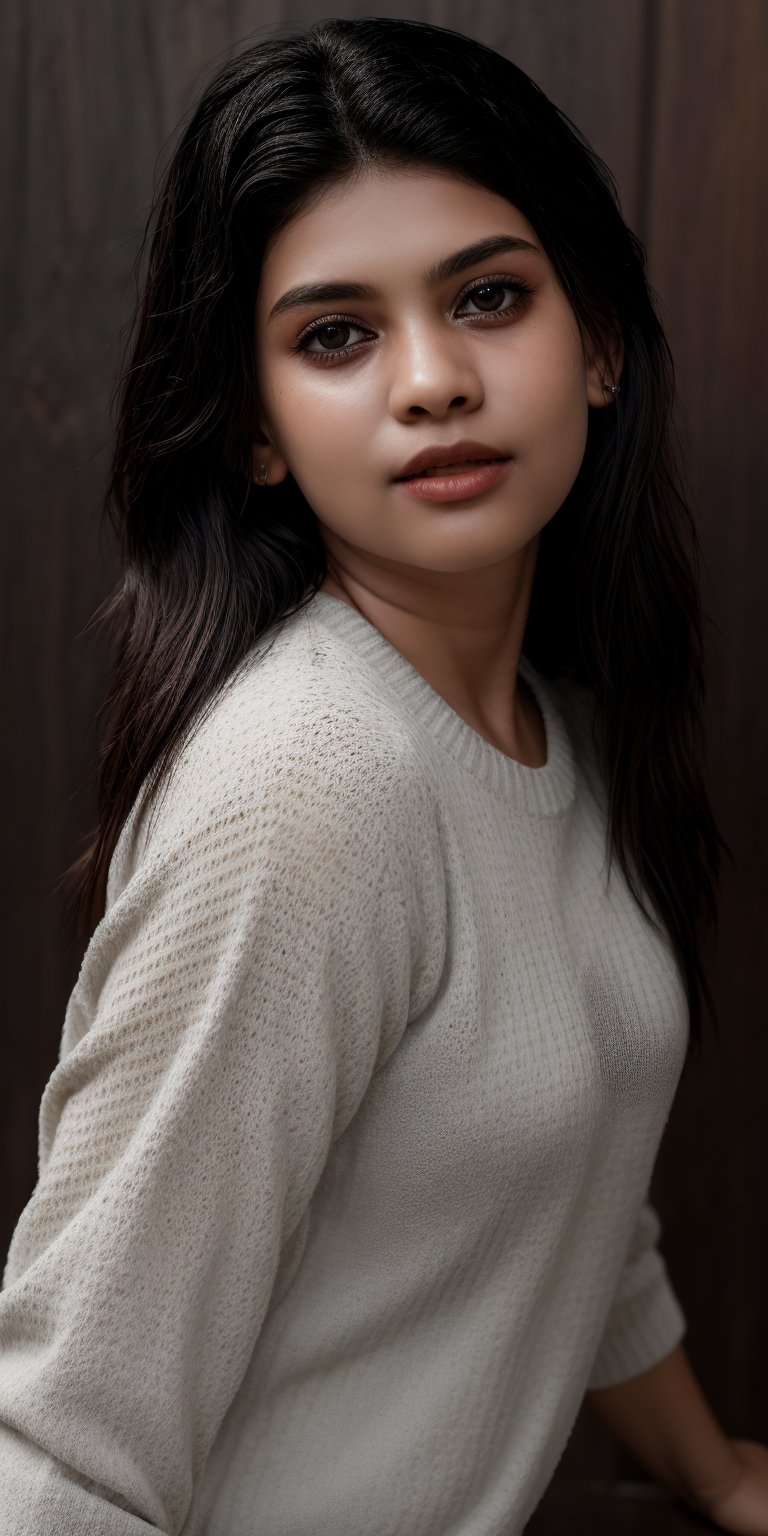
(342, 1204)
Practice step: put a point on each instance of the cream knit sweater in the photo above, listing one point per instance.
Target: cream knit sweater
(344, 1166)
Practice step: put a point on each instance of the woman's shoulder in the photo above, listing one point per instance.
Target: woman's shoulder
(576, 702)
(293, 711)
(291, 727)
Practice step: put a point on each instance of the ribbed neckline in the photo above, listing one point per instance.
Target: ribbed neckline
(541, 791)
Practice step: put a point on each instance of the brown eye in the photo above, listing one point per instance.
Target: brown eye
(480, 295)
(484, 293)
(336, 324)
(322, 331)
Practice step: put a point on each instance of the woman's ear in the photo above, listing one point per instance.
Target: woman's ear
(265, 454)
(604, 366)
(264, 457)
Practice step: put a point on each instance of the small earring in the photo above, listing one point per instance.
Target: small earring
(614, 388)
(262, 475)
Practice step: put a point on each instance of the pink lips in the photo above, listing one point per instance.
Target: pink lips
(456, 485)
(436, 455)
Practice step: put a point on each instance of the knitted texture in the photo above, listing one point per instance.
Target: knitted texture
(344, 1166)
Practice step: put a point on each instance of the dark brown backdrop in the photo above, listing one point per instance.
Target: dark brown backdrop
(674, 95)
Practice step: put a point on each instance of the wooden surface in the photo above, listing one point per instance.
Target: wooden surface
(674, 96)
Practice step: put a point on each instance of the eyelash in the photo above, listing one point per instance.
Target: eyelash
(492, 317)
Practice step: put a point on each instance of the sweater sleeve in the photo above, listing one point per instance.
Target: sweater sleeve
(645, 1321)
(258, 967)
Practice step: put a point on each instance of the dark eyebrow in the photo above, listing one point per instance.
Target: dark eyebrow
(469, 256)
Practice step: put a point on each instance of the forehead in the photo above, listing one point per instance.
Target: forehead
(365, 226)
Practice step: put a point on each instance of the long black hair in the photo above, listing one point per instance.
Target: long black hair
(210, 560)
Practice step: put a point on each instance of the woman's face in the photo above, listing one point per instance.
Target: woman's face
(427, 363)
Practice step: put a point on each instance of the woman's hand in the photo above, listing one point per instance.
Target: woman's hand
(743, 1507)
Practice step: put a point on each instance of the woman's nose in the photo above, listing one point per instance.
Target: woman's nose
(431, 373)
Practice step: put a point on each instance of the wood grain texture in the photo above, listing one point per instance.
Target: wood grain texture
(708, 247)
(673, 96)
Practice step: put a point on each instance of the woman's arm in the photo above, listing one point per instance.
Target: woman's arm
(231, 1010)
(664, 1420)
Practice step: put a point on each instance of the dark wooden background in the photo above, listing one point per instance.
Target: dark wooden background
(674, 95)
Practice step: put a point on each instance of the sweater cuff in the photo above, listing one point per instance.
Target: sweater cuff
(641, 1329)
